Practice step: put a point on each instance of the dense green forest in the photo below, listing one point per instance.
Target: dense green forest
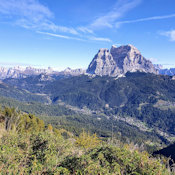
(63, 118)
(28, 146)
(147, 97)
(140, 106)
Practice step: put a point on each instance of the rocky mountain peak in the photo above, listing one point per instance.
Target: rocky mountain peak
(127, 50)
(68, 69)
(133, 49)
(102, 64)
(119, 60)
(45, 77)
(103, 50)
(73, 72)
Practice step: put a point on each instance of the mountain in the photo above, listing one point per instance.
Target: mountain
(158, 66)
(143, 100)
(170, 72)
(11, 73)
(162, 71)
(24, 72)
(120, 60)
(73, 72)
(138, 97)
(114, 62)
(21, 94)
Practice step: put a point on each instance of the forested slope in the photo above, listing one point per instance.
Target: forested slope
(28, 146)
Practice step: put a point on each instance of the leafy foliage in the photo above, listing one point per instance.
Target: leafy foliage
(62, 118)
(112, 160)
(33, 148)
(87, 141)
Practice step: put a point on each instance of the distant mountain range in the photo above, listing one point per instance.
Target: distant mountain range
(20, 72)
(114, 62)
(170, 72)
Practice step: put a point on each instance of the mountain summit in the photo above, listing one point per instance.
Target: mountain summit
(120, 60)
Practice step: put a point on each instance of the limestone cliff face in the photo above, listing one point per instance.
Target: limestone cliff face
(120, 60)
(102, 64)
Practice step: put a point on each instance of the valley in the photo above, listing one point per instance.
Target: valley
(133, 100)
(130, 102)
(87, 87)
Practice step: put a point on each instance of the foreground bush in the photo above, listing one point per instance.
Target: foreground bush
(27, 146)
(112, 160)
(46, 153)
(32, 154)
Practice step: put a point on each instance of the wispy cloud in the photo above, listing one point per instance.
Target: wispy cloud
(25, 8)
(46, 25)
(85, 30)
(91, 38)
(120, 8)
(118, 24)
(100, 39)
(154, 60)
(60, 36)
(31, 14)
(170, 34)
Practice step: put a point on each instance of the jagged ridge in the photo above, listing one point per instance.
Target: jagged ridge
(120, 60)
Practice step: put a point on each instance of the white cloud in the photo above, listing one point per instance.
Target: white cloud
(60, 36)
(85, 30)
(100, 39)
(45, 25)
(55, 35)
(31, 14)
(170, 34)
(120, 8)
(92, 38)
(118, 24)
(29, 9)
(154, 60)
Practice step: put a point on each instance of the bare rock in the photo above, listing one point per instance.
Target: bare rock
(120, 60)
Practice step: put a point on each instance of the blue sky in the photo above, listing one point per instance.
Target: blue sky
(68, 33)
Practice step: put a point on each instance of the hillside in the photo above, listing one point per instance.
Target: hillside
(139, 106)
(74, 120)
(100, 90)
(140, 101)
(168, 152)
(28, 146)
(21, 94)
